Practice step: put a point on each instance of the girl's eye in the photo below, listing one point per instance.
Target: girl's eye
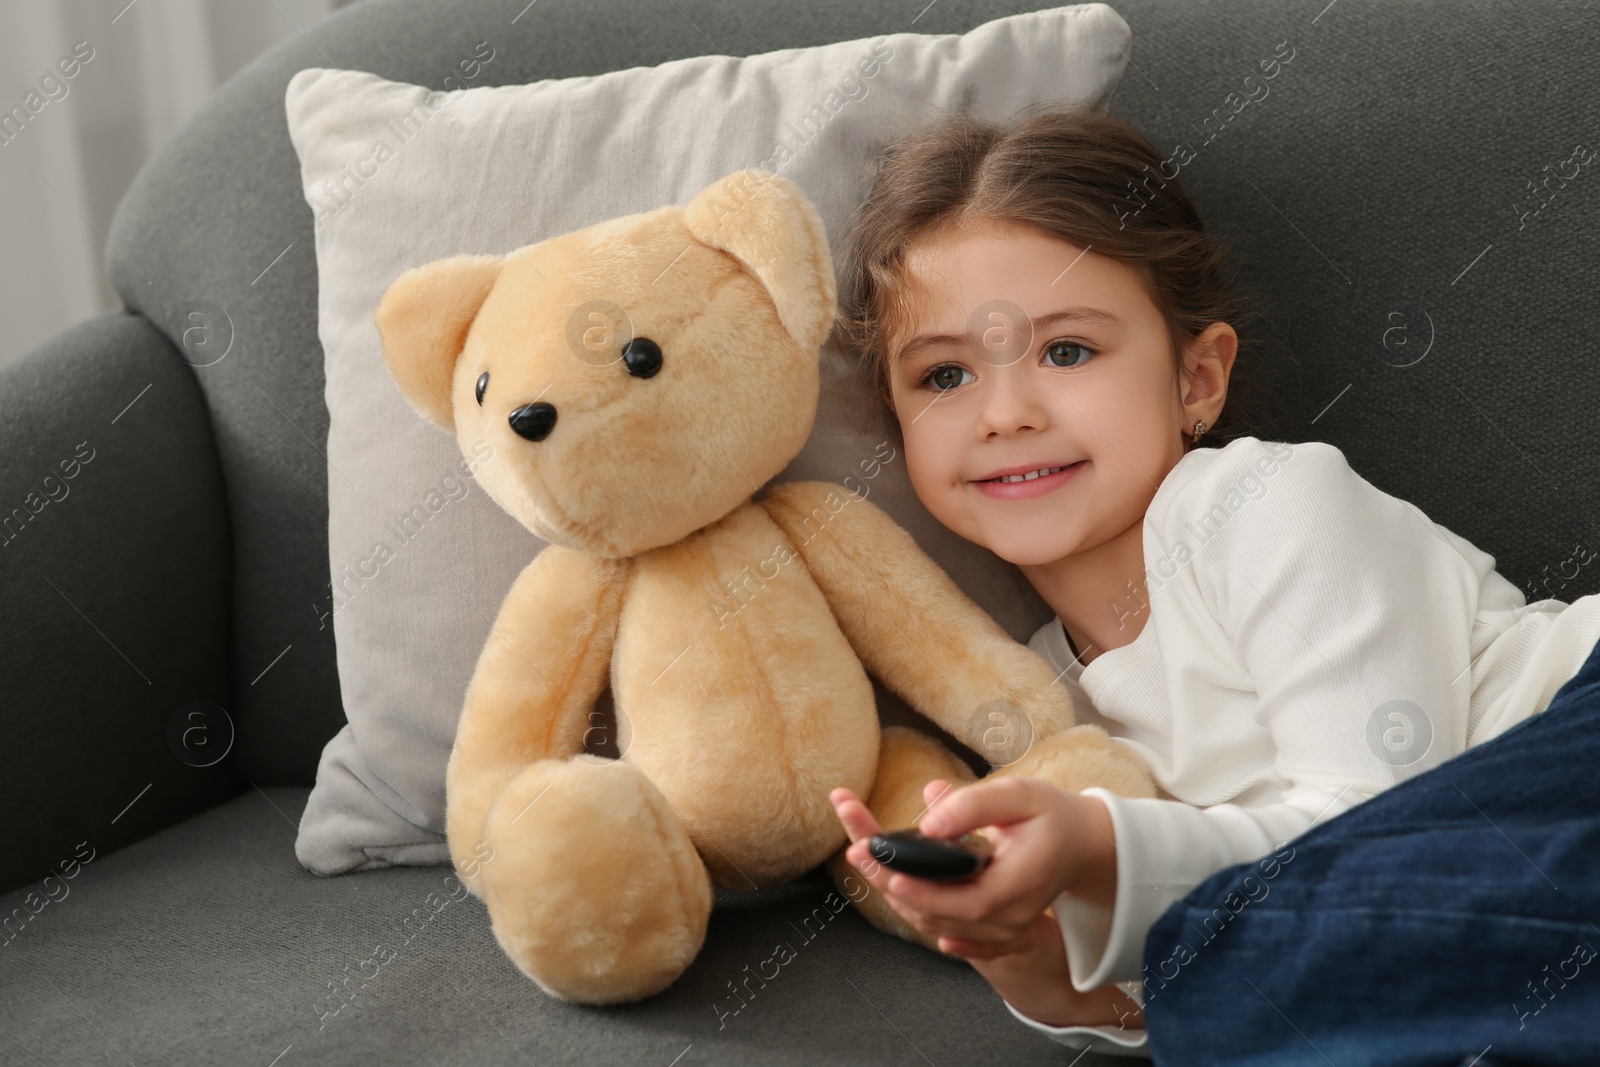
(945, 376)
(1059, 353)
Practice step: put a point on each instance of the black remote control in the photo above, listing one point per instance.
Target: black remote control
(936, 859)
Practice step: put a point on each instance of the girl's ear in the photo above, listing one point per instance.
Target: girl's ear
(422, 323)
(765, 222)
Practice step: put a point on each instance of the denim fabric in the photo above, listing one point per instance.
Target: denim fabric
(1455, 915)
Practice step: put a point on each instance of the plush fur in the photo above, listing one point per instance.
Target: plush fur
(736, 713)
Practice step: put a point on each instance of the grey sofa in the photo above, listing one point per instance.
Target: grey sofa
(1401, 199)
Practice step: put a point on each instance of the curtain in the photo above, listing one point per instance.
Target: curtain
(89, 89)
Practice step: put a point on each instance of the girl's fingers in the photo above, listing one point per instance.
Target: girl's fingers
(859, 826)
(989, 802)
(966, 910)
(1038, 946)
(876, 874)
(985, 899)
(892, 885)
(924, 904)
(979, 932)
(853, 814)
(935, 789)
(985, 950)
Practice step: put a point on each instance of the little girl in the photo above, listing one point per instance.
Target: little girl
(1048, 318)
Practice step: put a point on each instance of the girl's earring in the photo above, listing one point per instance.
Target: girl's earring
(1199, 428)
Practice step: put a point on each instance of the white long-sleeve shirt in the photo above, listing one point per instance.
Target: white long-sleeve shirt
(1309, 641)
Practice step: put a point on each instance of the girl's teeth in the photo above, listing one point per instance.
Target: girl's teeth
(1031, 475)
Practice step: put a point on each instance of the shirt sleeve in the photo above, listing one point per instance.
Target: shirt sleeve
(1164, 849)
(1129, 1041)
(1352, 617)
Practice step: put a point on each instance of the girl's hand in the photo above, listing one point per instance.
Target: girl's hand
(1046, 842)
(1035, 980)
(1030, 970)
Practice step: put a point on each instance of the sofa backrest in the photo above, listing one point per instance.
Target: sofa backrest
(1405, 191)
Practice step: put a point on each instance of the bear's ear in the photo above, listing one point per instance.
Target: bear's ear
(765, 221)
(422, 322)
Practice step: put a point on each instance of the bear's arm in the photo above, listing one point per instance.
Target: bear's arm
(543, 667)
(914, 628)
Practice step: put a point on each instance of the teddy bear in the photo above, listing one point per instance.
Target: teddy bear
(640, 381)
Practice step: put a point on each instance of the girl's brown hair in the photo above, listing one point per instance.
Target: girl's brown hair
(1081, 175)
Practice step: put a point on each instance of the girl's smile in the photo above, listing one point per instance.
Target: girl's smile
(1027, 481)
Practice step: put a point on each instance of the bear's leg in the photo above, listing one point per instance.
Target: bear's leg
(907, 761)
(1077, 758)
(593, 887)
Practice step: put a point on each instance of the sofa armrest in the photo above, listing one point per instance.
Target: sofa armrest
(114, 581)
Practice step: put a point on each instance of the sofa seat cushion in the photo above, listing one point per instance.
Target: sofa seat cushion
(209, 943)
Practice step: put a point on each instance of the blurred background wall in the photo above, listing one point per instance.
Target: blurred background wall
(70, 145)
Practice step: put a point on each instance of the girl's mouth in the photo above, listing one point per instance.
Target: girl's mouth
(1030, 485)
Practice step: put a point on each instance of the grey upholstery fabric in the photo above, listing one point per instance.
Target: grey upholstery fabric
(209, 944)
(114, 562)
(1379, 197)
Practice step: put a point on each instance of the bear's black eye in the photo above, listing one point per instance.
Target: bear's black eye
(483, 383)
(642, 357)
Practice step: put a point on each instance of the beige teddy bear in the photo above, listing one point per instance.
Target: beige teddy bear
(640, 380)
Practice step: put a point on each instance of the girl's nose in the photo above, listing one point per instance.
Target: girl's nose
(1014, 399)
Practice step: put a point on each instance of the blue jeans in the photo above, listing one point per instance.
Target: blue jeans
(1454, 915)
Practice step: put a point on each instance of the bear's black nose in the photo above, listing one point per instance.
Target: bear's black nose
(534, 421)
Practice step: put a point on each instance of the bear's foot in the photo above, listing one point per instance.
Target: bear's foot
(593, 887)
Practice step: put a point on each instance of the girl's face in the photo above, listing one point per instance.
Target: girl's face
(1024, 353)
